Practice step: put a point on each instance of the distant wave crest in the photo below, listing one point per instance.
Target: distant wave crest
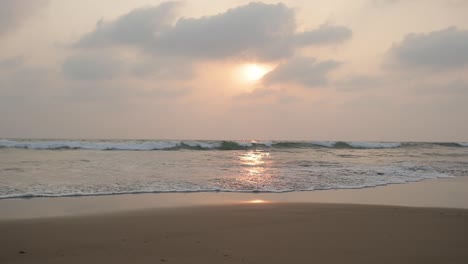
(148, 145)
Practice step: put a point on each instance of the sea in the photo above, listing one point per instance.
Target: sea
(63, 168)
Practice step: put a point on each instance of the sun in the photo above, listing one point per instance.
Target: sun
(254, 72)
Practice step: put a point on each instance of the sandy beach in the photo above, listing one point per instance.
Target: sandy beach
(211, 132)
(248, 233)
(303, 227)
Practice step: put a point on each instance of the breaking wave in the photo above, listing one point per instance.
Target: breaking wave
(149, 145)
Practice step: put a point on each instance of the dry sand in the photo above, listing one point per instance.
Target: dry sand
(246, 233)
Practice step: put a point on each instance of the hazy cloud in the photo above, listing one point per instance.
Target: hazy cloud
(14, 12)
(456, 87)
(163, 68)
(304, 71)
(179, 75)
(12, 62)
(255, 31)
(91, 67)
(447, 48)
(362, 82)
(325, 34)
(138, 27)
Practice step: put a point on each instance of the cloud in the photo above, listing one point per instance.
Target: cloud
(362, 82)
(91, 67)
(162, 69)
(254, 31)
(325, 34)
(304, 71)
(95, 66)
(12, 62)
(14, 12)
(457, 87)
(138, 27)
(441, 49)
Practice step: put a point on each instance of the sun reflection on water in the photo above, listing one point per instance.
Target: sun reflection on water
(254, 158)
(256, 172)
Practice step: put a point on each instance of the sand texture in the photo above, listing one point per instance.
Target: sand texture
(247, 233)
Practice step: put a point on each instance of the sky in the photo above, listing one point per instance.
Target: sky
(364, 70)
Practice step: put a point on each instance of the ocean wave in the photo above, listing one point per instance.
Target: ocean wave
(149, 145)
(356, 144)
(90, 145)
(327, 144)
(372, 145)
(218, 190)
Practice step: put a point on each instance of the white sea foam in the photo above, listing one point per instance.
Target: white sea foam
(328, 144)
(7, 143)
(71, 191)
(146, 145)
(204, 145)
(373, 145)
(90, 145)
(244, 143)
(266, 143)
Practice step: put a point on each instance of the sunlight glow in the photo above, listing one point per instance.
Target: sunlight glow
(253, 158)
(257, 201)
(257, 172)
(254, 72)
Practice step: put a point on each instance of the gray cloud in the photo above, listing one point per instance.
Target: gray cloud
(120, 92)
(91, 67)
(255, 31)
(95, 66)
(267, 95)
(304, 71)
(447, 48)
(12, 62)
(163, 69)
(325, 34)
(457, 87)
(14, 12)
(137, 27)
(362, 82)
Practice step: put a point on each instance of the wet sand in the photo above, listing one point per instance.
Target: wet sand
(446, 193)
(243, 233)
(408, 223)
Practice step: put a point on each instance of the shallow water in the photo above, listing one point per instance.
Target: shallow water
(75, 168)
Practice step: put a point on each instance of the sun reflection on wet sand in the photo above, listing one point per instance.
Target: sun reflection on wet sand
(257, 201)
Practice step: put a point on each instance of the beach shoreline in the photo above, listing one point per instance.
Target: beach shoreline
(339, 226)
(436, 193)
